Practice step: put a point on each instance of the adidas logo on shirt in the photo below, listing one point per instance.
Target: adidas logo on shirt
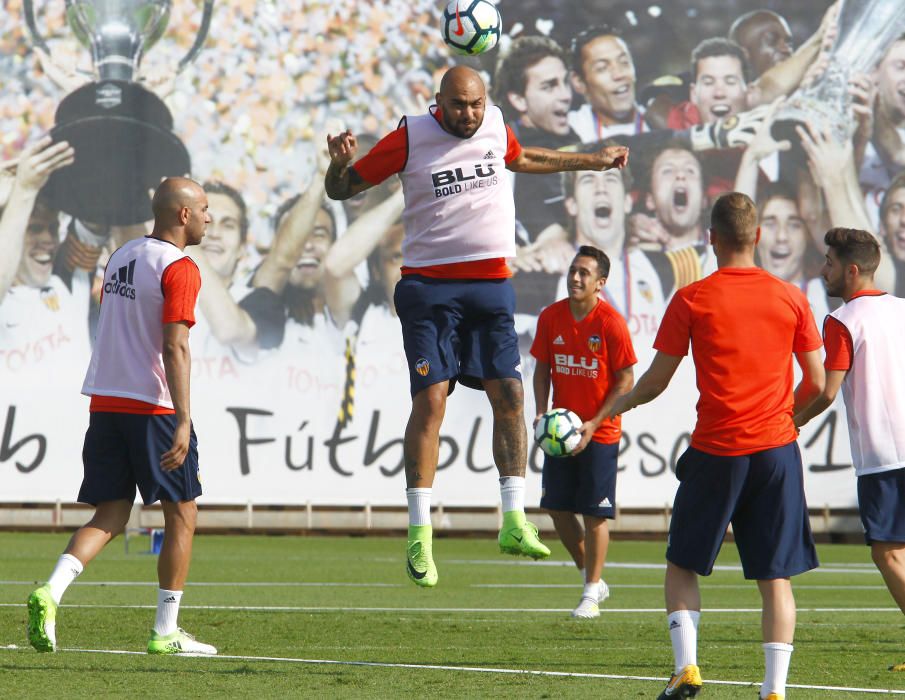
(559, 341)
(120, 283)
(489, 155)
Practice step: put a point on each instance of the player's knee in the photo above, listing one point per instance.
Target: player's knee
(888, 556)
(111, 516)
(561, 517)
(429, 405)
(509, 397)
(180, 515)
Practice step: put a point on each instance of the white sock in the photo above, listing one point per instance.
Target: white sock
(419, 506)
(512, 493)
(167, 611)
(591, 590)
(776, 668)
(683, 632)
(64, 573)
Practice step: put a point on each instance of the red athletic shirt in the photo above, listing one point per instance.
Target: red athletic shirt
(744, 325)
(584, 357)
(181, 283)
(389, 157)
(837, 341)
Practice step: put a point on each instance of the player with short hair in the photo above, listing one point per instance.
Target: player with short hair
(604, 73)
(583, 347)
(140, 432)
(743, 465)
(864, 340)
(455, 301)
(765, 36)
(892, 218)
(531, 85)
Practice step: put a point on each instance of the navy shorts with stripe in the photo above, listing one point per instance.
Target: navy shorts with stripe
(761, 495)
(457, 330)
(584, 483)
(881, 501)
(122, 452)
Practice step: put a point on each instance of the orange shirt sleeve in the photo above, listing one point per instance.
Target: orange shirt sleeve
(620, 351)
(675, 328)
(540, 348)
(181, 282)
(807, 337)
(513, 147)
(387, 158)
(840, 349)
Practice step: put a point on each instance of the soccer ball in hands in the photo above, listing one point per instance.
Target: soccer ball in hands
(556, 433)
(471, 27)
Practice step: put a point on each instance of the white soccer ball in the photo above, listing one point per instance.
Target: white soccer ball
(471, 27)
(556, 433)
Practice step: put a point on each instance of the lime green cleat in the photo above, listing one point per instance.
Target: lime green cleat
(419, 561)
(42, 619)
(178, 642)
(519, 537)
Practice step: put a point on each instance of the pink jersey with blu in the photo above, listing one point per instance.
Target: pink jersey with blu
(458, 193)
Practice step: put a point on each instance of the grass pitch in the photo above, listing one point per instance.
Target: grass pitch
(336, 617)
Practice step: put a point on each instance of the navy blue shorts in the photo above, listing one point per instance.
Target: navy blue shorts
(585, 483)
(122, 451)
(881, 500)
(761, 494)
(457, 330)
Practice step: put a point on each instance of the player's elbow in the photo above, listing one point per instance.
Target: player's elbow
(175, 349)
(828, 394)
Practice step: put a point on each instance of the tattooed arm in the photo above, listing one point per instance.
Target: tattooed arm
(341, 180)
(546, 160)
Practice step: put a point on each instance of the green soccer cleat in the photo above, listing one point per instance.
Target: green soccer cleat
(519, 537)
(686, 684)
(42, 620)
(419, 560)
(178, 642)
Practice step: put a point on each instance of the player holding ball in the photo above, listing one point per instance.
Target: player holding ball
(583, 347)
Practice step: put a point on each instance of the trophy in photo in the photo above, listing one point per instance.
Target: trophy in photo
(866, 29)
(122, 132)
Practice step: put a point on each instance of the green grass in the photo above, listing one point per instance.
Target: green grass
(489, 611)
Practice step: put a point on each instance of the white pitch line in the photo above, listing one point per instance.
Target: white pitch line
(336, 584)
(475, 669)
(225, 584)
(330, 608)
(704, 585)
(641, 566)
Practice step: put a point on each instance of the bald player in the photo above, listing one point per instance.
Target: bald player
(455, 301)
(140, 430)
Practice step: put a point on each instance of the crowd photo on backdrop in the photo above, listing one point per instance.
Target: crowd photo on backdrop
(402, 232)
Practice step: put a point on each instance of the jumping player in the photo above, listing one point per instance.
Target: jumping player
(455, 301)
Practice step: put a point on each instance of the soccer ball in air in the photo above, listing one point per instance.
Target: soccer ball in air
(556, 433)
(471, 27)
